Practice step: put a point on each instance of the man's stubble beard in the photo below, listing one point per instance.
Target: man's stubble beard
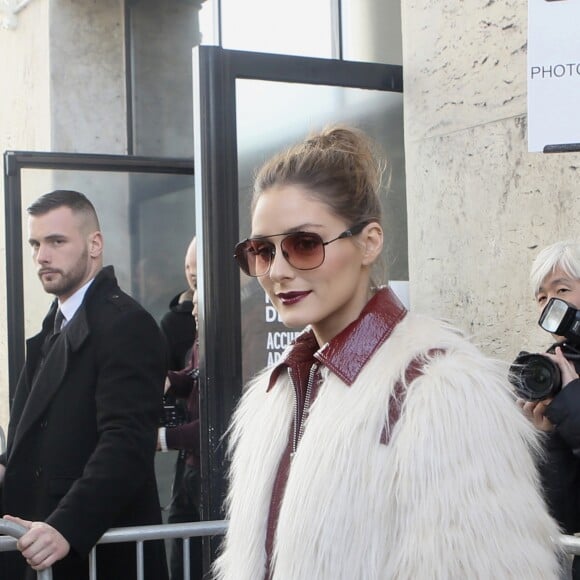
(66, 284)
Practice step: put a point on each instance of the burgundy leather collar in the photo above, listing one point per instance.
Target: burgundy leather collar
(348, 352)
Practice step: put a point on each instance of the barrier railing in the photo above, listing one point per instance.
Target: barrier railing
(571, 544)
(141, 534)
(16, 531)
(137, 534)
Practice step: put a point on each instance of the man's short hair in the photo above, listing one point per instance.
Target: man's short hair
(74, 200)
(564, 255)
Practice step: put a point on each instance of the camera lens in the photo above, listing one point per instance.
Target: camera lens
(535, 377)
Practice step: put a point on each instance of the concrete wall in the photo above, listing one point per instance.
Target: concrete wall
(24, 124)
(63, 89)
(372, 30)
(480, 206)
(87, 76)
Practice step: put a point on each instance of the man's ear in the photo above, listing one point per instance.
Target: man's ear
(372, 239)
(95, 244)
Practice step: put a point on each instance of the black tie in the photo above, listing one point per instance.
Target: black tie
(58, 320)
(51, 337)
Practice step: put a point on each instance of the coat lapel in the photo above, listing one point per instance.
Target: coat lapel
(48, 380)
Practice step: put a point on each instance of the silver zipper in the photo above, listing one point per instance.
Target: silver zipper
(299, 428)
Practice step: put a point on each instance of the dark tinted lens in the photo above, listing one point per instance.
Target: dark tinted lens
(304, 251)
(254, 256)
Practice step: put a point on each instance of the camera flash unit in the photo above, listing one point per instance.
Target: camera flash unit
(562, 319)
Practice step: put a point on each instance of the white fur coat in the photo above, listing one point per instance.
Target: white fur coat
(454, 494)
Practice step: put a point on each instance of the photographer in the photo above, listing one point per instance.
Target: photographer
(182, 433)
(555, 273)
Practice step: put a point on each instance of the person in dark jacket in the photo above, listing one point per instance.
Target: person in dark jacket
(177, 324)
(555, 273)
(185, 501)
(83, 424)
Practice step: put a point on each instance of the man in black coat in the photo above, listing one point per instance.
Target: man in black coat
(83, 424)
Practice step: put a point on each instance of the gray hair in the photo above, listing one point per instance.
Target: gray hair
(564, 255)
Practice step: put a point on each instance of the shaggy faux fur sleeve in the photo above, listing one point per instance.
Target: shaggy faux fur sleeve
(469, 502)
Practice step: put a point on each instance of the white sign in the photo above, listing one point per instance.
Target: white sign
(553, 75)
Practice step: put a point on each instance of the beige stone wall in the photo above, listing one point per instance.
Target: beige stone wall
(87, 66)
(63, 89)
(480, 206)
(24, 124)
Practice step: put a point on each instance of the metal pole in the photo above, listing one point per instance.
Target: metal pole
(186, 559)
(17, 531)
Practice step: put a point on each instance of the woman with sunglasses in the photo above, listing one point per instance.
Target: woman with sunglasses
(383, 445)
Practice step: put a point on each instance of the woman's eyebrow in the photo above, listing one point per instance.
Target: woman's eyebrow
(293, 230)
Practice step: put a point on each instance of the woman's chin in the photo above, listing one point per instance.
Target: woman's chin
(293, 322)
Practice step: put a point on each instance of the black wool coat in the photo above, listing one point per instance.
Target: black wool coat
(82, 434)
(560, 468)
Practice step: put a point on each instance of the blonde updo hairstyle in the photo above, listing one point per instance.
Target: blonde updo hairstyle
(337, 166)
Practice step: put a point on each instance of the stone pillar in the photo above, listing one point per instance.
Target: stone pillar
(372, 30)
(87, 76)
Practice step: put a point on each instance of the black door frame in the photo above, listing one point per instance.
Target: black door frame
(216, 71)
(14, 163)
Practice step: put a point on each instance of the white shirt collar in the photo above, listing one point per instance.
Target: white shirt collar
(72, 303)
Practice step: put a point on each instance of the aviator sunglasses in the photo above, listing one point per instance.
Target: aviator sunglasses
(302, 250)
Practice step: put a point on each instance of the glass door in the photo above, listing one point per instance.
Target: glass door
(146, 208)
(147, 213)
(248, 105)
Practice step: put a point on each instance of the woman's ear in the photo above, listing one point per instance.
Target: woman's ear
(372, 239)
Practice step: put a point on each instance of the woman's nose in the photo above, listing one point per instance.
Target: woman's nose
(280, 268)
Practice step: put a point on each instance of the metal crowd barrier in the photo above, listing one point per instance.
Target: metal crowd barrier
(570, 544)
(141, 534)
(15, 531)
(137, 534)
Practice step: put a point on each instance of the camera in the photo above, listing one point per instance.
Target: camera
(534, 376)
(174, 413)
